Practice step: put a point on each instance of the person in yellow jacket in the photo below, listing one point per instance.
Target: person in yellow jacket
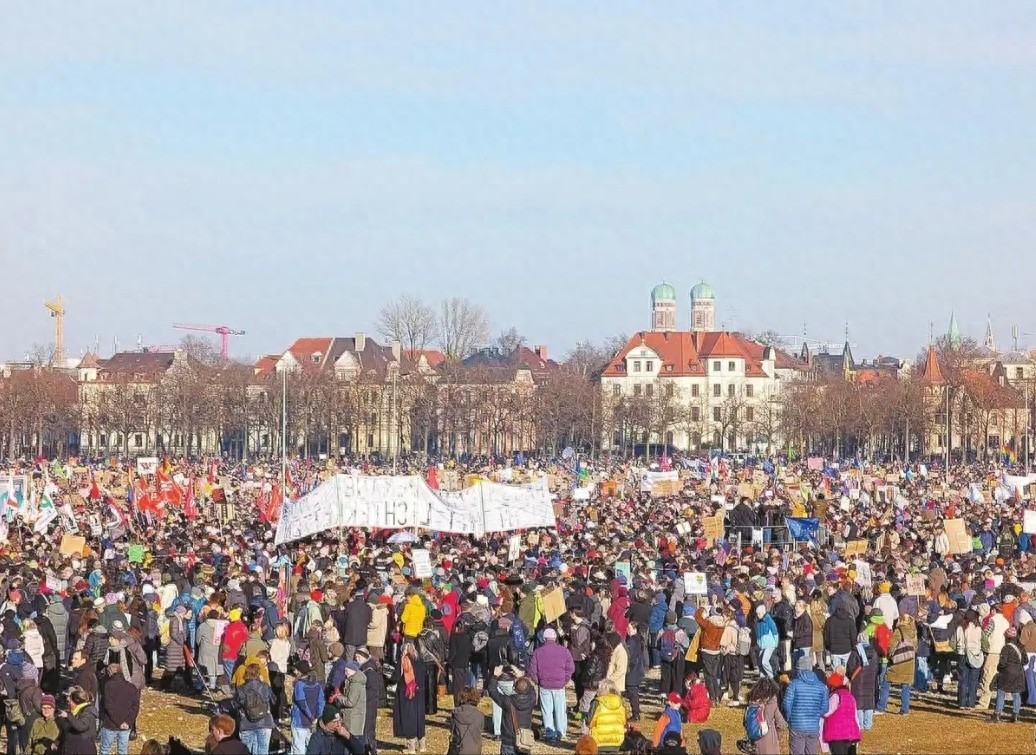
(607, 718)
(414, 613)
(260, 659)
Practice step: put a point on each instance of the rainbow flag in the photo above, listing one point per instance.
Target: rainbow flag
(1008, 454)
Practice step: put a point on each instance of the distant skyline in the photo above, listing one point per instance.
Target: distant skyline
(287, 169)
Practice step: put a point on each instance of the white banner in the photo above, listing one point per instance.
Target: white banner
(650, 478)
(404, 502)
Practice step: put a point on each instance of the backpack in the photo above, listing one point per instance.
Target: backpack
(151, 624)
(256, 706)
(430, 642)
(667, 646)
(755, 723)
(479, 638)
(520, 638)
(904, 652)
(13, 712)
(1028, 637)
(744, 640)
(164, 625)
(331, 634)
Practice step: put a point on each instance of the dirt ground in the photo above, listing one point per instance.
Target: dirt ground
(931, 727)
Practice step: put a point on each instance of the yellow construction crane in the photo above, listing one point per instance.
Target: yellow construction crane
(57, 311)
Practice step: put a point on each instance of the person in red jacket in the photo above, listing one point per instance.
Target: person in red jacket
(234, 637)
(617, 613)
(697, 701)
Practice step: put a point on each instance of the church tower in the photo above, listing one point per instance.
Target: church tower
(703, 308)
(663, 307)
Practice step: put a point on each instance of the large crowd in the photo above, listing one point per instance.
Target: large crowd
(297, 647)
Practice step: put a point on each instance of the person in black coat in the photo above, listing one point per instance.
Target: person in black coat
(1010, 676)
(517, 707)
(459, 658)
(862, 672)
(78, 724)
(408, 710)
(356, 617)
(839, 631)
(636, 668)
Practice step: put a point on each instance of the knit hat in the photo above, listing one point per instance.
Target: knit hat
(234, 614)
(352, 666)
(330, 715)
(302, 667)
(710, 742)
(550, 634)
(674, 699)
(48, 700)
(336, 650)
(835, 681)
(670, 617)
(884, 587)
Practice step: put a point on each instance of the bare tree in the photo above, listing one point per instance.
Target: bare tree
(510, 340)
(409, 321)
(463, 326)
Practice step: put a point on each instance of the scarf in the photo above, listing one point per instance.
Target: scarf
(409, 680)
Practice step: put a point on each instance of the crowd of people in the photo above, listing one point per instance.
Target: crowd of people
(297, 647)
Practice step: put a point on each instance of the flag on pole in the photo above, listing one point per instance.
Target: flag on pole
(190, 508)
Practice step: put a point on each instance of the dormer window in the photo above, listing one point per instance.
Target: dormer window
(317, 356)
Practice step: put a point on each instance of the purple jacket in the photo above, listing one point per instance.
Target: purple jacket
(551, 666)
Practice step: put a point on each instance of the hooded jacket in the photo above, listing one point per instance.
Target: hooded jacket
(608, 721)
(805, 703)
(413, 616)
(466, 725)
(353, 702)
(658, 612)
(522, 703)
(839, 630)
(377, 629)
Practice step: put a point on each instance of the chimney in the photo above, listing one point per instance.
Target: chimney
(397, 350)
(361, 342)
(541, 352)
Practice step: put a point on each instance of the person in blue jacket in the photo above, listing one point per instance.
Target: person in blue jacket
(805, 705)
(766, 638)
(656, 622)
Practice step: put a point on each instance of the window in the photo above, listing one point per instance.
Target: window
(616, 390)
(636, 390)
(749, 414)
(1019, 373)
(717, 390)
(669, 438)
(716, 414)
(730, 390)
(694, 390)
(103, 440)
(649, 390)
(636, 366)
(731, 367)
(749, 391)
(138, 440)
(695, 414)
(370, 441)
(266, 440)
(649, 366)
(717, 366)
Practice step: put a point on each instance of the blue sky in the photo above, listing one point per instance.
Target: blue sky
(286, 168)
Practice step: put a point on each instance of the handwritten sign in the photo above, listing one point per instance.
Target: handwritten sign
(554, 605)
(855, 547)
(622, 569)
(514, 548)
(915, 584)
(422, 563)
(147, 465)
(72, 545)
(960, 540)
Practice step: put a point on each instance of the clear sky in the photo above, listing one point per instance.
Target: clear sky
(287, 167)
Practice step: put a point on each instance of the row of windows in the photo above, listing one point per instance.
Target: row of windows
(649, 365)
(717, 366)
(717, 390)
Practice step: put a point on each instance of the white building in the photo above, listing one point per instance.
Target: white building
(698, 389)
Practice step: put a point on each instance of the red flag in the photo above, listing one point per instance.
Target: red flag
(273, 510)
(432, 478)
(167, 491)
(95, 491)
(190, 509)
(212, 473)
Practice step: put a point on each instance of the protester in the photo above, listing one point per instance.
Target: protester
(550, 669)
(805, 703)
(841, 728)
(762, 707)
(607, 718)
(307, 706)
(466, 724)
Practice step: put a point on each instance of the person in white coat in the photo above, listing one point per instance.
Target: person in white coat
(33, 640)
(993, 639)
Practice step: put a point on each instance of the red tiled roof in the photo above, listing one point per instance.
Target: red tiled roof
(932, 373)
(267, 364)
(675, 349)
(433, 357)
(304, 348)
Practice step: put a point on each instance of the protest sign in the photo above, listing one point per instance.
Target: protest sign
(915, 584)
(135, 554)
(72, 545)
(714, 526)
(514, 548)
(1029, 522)
(581, 494)
(960, 540)
(56, 585)
(695, 583)
(683, 528)
(815, 463)
(855, 547)
(422, 563)
(622, 569)
(554, 605)
(147, 465)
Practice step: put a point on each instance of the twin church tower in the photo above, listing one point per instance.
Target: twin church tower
(703, 308)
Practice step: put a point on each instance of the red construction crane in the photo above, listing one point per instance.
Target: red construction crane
(224, 332)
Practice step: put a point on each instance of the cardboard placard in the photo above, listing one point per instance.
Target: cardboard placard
(72, 545)
(915, 584)
(714, 526)
(695, 583)
(960, 540)
(855, 547)
(514, 548)
(664, 488)
(683, 528)
(554, 605)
